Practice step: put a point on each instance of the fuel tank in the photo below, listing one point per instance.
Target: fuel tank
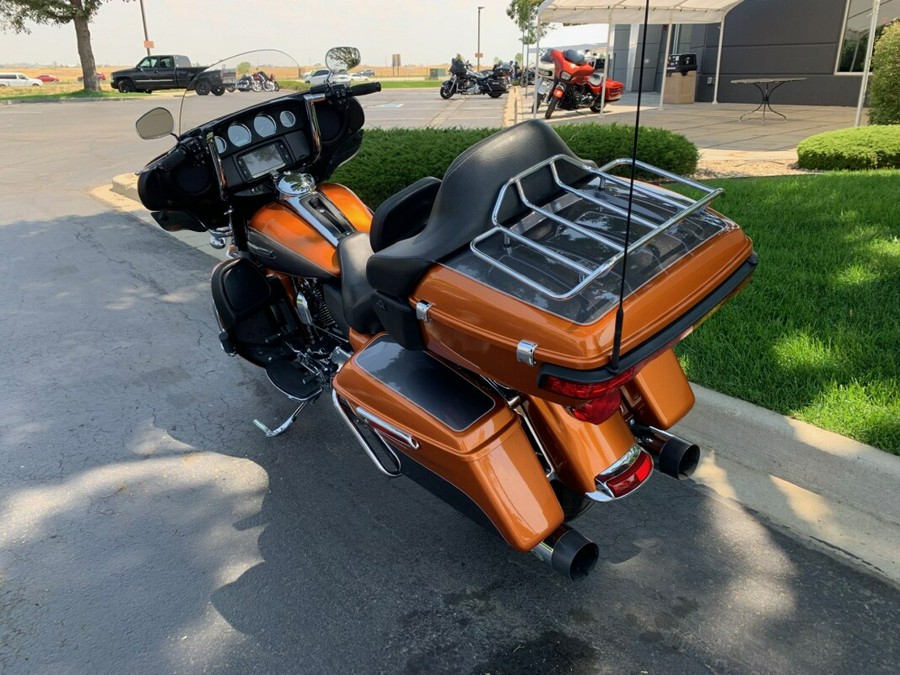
(298, 235)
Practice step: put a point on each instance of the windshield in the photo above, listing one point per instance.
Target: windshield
(236, 83)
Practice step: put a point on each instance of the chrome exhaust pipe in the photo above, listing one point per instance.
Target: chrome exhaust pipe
(674, 456)
(568, 552)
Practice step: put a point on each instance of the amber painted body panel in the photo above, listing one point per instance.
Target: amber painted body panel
(579, 451)
(492, 461)
(280, 224)
(479, 327)
(660, 394)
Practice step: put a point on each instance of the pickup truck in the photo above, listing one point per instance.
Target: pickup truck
(172, 71)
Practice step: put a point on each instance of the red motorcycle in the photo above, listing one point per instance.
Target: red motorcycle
(577, 82)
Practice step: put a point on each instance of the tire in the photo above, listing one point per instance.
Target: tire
(126, 86)
(218, 91)
(446, 91)
(595, 106)
(203, 88)
(537, 103)
(495, 94)
(551, 106)
(148, 91)
(229, 88)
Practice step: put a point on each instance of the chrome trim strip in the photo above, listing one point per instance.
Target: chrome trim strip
(407, 440)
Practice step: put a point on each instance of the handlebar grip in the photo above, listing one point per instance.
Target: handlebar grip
(365, 88)
(175, 157)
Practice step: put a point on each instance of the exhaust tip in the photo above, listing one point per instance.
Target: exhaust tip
(674, 456)
(569, 553)
(678, 458)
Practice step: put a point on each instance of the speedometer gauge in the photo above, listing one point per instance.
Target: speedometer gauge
(239, 135)
(288, 118)
(264, 125)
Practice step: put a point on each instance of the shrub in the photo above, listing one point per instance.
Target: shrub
(884, 87)
(391, 159)
(873, 147)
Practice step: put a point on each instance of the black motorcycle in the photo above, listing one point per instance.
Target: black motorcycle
(258, 81)
(466, 82)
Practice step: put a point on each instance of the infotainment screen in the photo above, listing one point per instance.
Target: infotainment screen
(263, 160)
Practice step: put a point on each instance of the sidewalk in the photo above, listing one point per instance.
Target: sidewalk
(838, 495)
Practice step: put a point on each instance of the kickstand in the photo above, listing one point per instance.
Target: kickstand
(270, 433)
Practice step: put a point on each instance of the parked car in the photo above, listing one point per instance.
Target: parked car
(368, 72)
(321, 75)
(18, 80)
(359, 77)
(48, 78)
(100, 76)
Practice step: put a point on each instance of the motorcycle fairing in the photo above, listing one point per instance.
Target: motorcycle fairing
(467, 436)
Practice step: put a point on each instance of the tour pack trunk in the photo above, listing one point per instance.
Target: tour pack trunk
(534, 298)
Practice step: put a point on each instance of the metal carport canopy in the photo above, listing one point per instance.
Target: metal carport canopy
(632, 11)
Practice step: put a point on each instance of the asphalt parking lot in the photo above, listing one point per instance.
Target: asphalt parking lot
(147, 526)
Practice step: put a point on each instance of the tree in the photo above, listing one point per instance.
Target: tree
(16, 14)
(884, 90)
(524, 14)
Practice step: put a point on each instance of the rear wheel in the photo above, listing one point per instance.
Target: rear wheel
(551, 106)
(495, 94)
(537, 103)
(126, 86)
(203, 88)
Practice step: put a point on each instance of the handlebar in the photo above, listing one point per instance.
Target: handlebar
(175, 157)
(365, 88)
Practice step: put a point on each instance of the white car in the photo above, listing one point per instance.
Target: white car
(19, 80)
(320, 76)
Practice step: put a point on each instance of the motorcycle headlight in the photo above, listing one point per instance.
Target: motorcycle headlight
(566, 76)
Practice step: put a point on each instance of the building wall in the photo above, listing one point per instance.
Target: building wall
(763, 38)
(777, 38)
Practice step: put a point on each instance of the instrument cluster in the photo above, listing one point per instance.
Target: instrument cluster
(265, 139)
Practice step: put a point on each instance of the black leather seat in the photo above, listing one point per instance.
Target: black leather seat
(465, 201)
(356, 293)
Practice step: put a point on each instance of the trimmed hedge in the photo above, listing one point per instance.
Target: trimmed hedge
(391, 159)
(872, 147)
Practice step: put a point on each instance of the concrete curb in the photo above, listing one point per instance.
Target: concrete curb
(838, 495)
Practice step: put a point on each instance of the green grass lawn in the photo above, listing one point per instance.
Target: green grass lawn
(816, 334)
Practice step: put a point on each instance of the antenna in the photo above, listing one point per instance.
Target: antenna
(620, 311)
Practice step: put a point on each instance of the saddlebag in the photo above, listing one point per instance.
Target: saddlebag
(454, 435)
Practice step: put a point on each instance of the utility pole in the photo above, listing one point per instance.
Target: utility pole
(478, 53)
(147, 43)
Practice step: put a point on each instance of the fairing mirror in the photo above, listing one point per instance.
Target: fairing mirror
(342, 58)
(156, 123)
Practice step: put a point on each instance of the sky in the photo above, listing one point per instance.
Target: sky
(423, 32)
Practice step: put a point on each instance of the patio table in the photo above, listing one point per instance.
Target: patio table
(766, 86)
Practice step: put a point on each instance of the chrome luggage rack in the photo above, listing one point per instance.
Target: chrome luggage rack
(678, 208)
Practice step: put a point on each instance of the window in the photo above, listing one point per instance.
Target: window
(852, 54)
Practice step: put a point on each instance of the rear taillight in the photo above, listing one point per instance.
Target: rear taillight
(629, 479)
(602, 398)
(623, 477)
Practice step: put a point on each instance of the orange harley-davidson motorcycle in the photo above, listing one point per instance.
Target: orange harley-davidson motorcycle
(502, 335)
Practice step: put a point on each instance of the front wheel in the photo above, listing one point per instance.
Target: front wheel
(218, 91)
(229, 87)
(537, 103)
(595, 106)
(446, 91)
(551, 106)
(126, 86)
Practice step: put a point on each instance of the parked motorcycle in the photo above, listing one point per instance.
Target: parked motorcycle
(576, 82)
(475, 332)
(258, 81)
(465, 81)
